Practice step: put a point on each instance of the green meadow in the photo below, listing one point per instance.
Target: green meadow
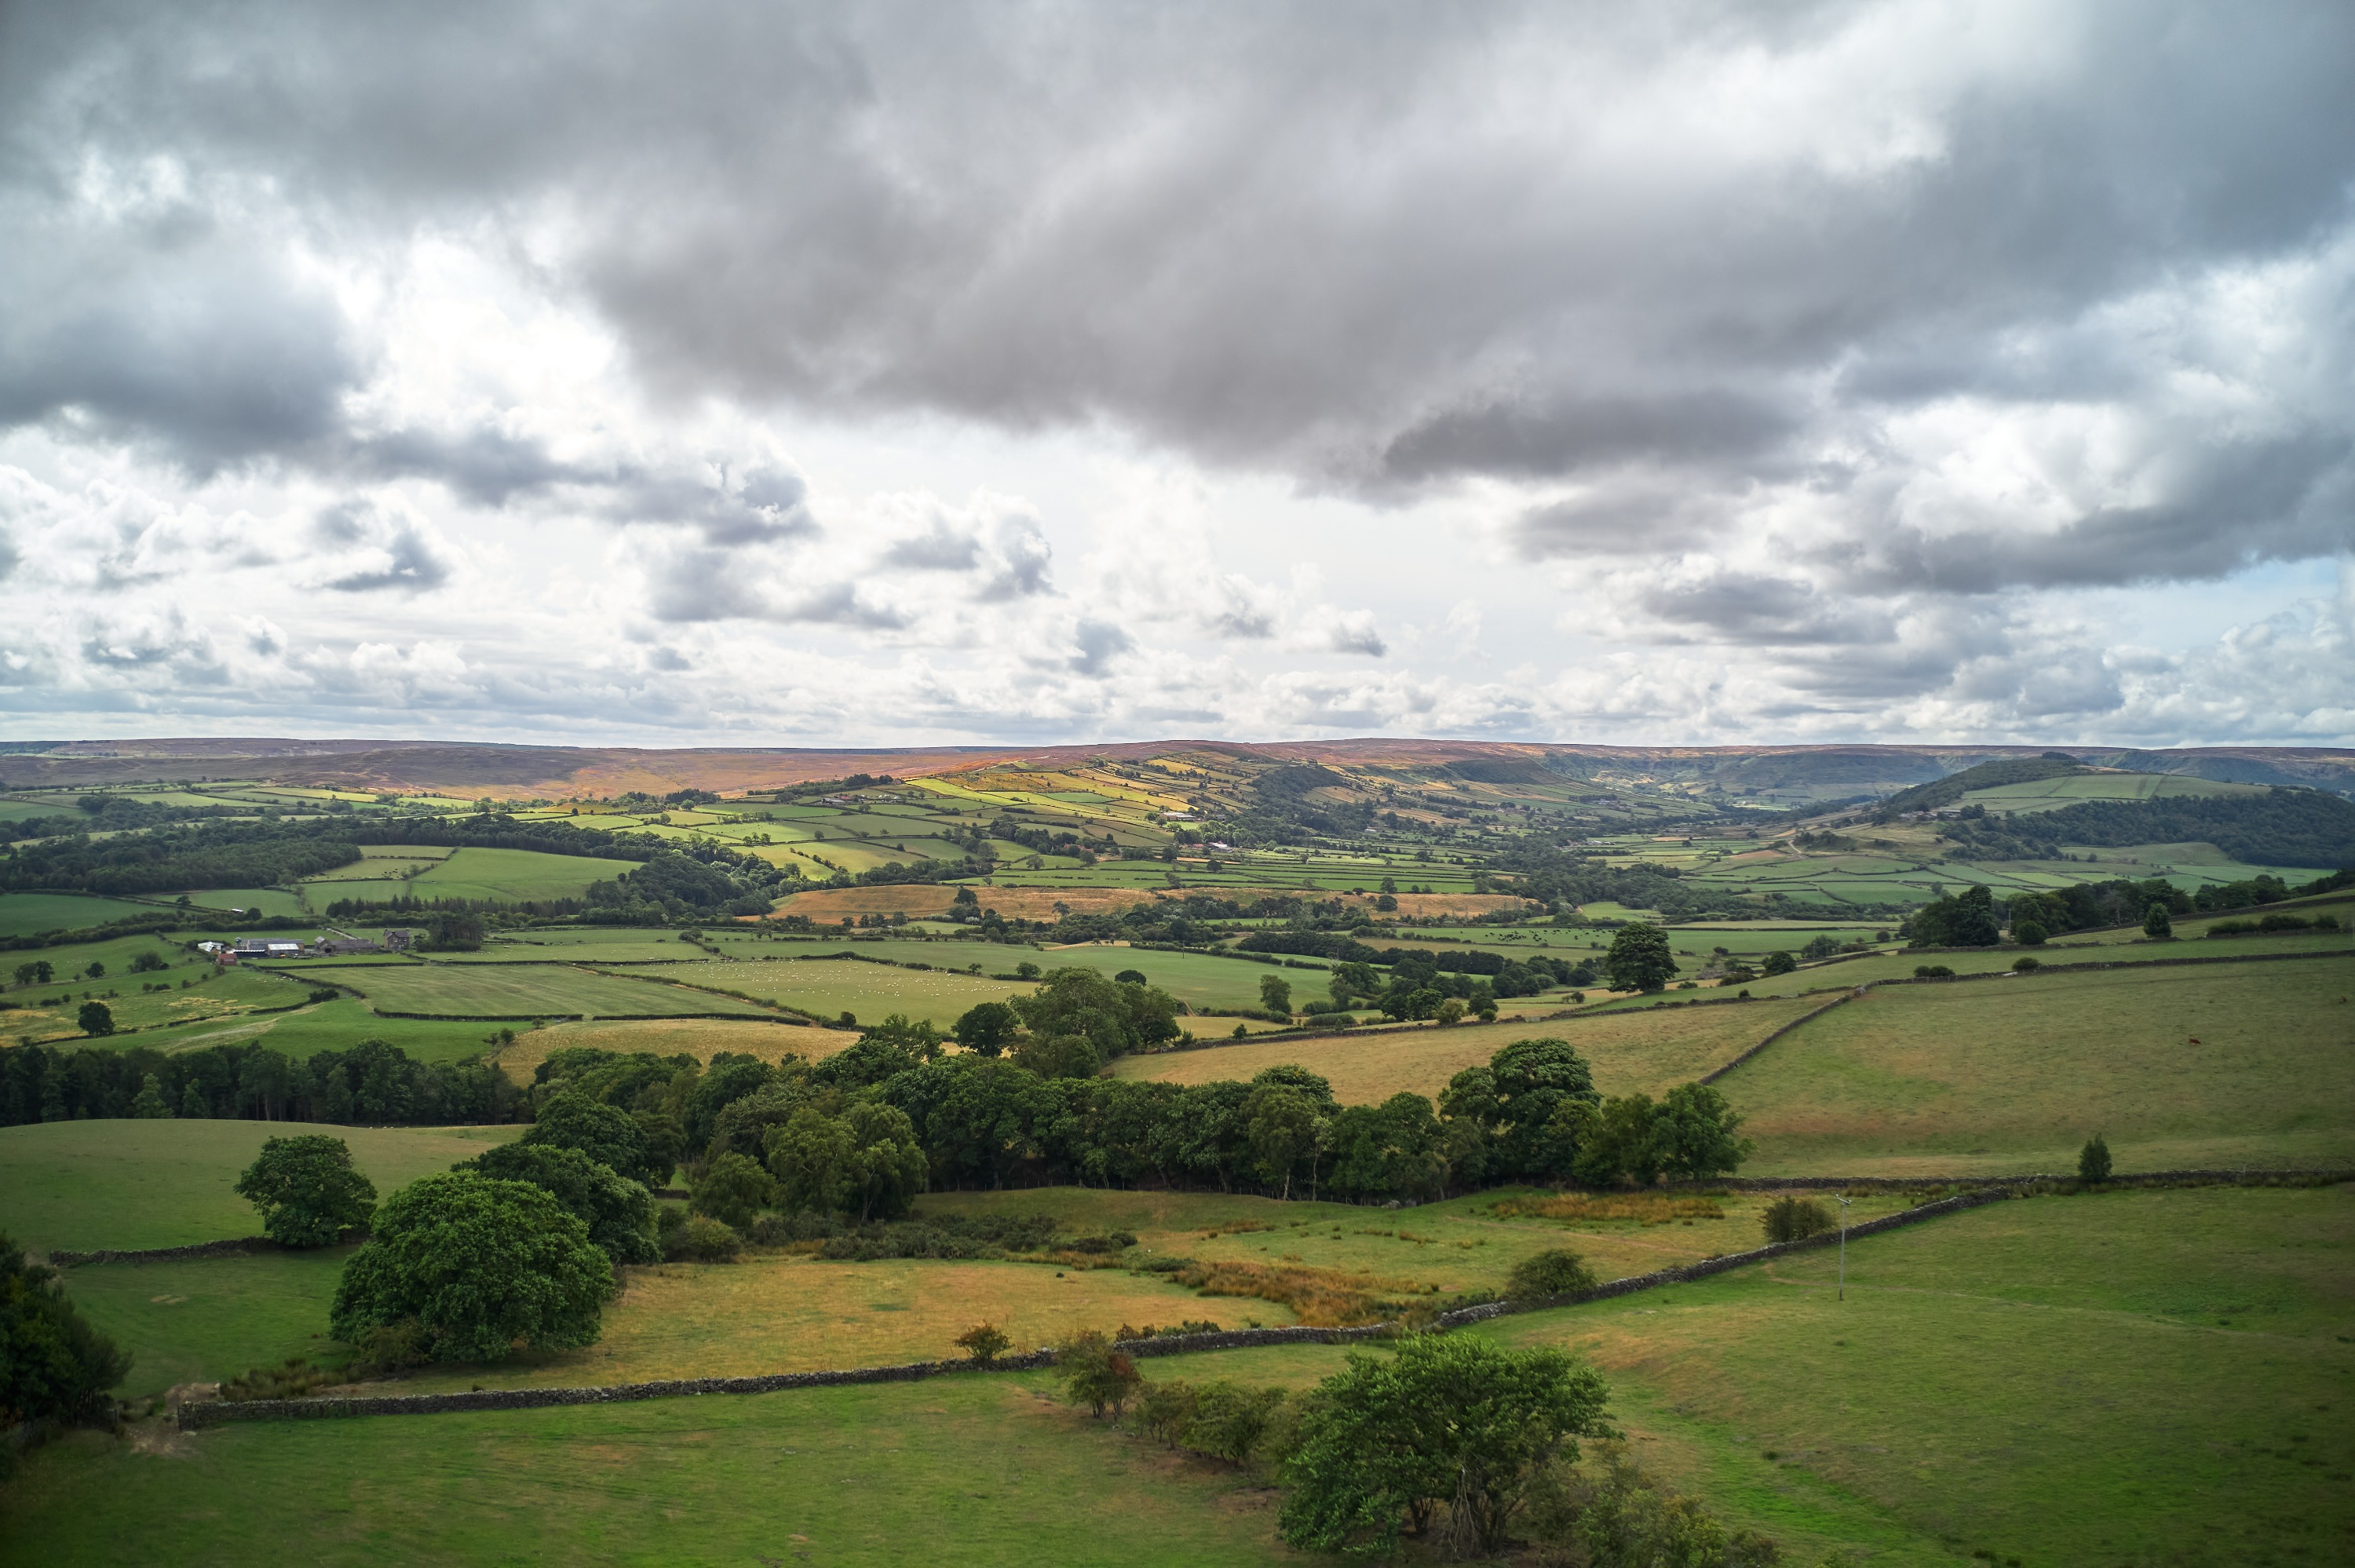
(524, 990)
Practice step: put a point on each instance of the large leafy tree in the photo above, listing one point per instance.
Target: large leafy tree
(1395, 1150)
(619, 1212)
(1965, 920)
(865, 1164)
(1519, 1099)
(1450, 1423)
(1639, 959)
(606, 1134)
(987, 1028)
(480, 1267)
(53, 1365)
(308, 1191)
(1693, 1133)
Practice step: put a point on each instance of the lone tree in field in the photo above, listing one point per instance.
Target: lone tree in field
(2093, 1160)
(1639, 959)
(2157, 924)
(1778, 963)
(94, 1018)
(307, 1190)
(478, 1265)
(984, 1342)
(1275, 994)
(1449, 1422)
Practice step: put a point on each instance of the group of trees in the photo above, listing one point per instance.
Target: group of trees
(370, 1084)
(54, 1367)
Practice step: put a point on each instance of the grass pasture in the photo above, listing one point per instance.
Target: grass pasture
(521, 990)
(25, 914)
(1650, 1050)
(319, 1026)
(826, 988)
(2014, 1074)
(701, 1038)
(205, 1319)
(89, 1185)
(2105, 947)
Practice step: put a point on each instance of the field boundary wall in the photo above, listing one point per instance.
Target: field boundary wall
(231, 1249)
(1840, 1001)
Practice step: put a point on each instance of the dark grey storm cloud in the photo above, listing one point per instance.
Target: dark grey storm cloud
(1381, 247)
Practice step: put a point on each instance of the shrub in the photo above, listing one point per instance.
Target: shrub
(1094, 1373)
(481, 1265)
(388, 1349)
(1226, 1420)
(2024, 965)
(1778, 964)
(2093, 1160)
(1933, 971)
(984, 1342)
(1623, 1519)
(307, 1190)
(53, 1365)
(2156, 924)
(1556, 1273)
(2028, 934)
(699, 1238)
(297, 1378)
(1790, 1219)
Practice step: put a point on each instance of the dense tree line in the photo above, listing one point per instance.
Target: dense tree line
(370, 1084)
(111, 814)
(2281, 827)
(243, 854)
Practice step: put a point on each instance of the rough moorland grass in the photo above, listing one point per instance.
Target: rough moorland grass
(517, 989)
(1648, 1051)
(203, 1319)
(2015, 1074)
(981, 1471)
(93, 1184)
(2124, 1378)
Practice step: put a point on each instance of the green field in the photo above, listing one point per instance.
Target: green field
(2048, 794)
(323, 1026)
(826, 988)
(22, 914)
(210, 1318)
(1650, 1050)
(523, 991)
(486, 876)
(129, 1184)
(2125, 1379)
(2015, 1074)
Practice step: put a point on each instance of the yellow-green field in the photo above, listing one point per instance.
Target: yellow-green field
(527, 991)
(1650, 1050)
(826, 987)
(2214, 1066)
(701, 1038)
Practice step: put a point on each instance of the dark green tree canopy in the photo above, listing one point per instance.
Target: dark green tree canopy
(480, 1267)
(1965, 920)
(606, 1134)
(619, 1212)
(308, 1191)
(1639, 959)
(53, 1365)
(987, 1028)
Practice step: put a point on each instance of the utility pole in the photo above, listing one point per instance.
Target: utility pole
(1842, 1294)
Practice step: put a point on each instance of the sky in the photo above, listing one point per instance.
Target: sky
(828, 375)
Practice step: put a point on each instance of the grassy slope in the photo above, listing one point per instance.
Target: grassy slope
(1649, 1051)
(93, 1185)
(553, 990)
(22, 913)
(2126, 1379)
(826, 988)
(969, 1470)
(325, 1026)
(210, 1318)
(2014, 1074)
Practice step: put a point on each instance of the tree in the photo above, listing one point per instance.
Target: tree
(988, 1027)
(1965, 920)
(1778, 963)
(308, 1190)
(1115, 1019)
(605, 1133)
(53, 1365)
(1693, 1130)
(1449, 1422)
(811, 1157)
(148, 1103)
(1275, 994)
(2027, 933)
(479, 1265)
(731, 1189)
(1128, 977)
(1639, 959)
(2093, 1160)
(1792, 1218)
(1517, 1099)
(1619, 1140)
(2156, 924)
(887, 1165)
(1284, 1126)
(1395, 1150)
(95, 1018)
(619, 1212)
(36, 972)
(192, 1104)
(1058, 1055)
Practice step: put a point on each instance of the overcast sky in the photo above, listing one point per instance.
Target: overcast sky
(768, 373)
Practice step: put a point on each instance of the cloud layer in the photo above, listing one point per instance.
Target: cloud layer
(1690, 371)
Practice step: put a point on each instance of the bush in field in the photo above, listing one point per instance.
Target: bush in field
(1790, 1219)
(2093, 1160)
(481, 1265)
(2157, 924)
(699, 1238)
(731, 1189)
(1556, 1273)
(308, 1191)
(2028, 934)
(53, 1365)
(1449, 1422)
(606, 1134)
(1933, 971)
(1275, 994)
(1094, 1373)
(1622, 1518)
(1778, 963)
(984, 1342)
(619, 1213)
